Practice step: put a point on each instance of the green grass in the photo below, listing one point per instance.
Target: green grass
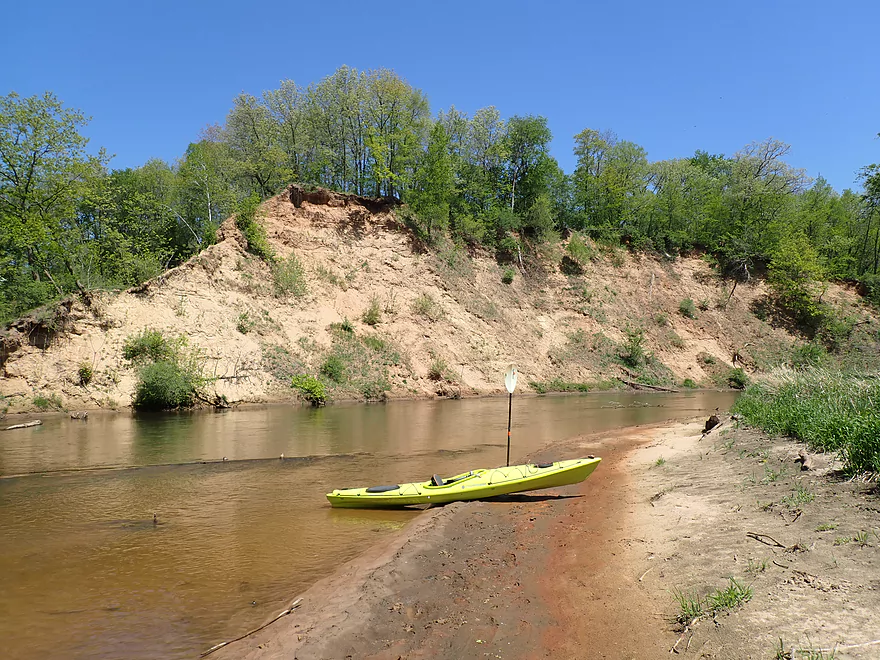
(425, 305)
(691, 606)
(373, 314)
(826, 527)
(830, 411)
(660, 461)
(51, 402)
(800, 496)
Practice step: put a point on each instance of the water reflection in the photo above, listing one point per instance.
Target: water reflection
(86, 573)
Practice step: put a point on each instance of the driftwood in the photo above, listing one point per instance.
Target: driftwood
(290, 609)
(640, 386)
(36, 422)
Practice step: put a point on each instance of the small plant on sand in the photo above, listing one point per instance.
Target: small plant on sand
(507, 276)
(427, 307)
(842, 540)
(730, 597)
(289, 277)
(687, 308)
(373, 314)
(660, 461)
(245, 323)
(771, 475)
(690, 607)
(800, 496)
(826, 527)
(756, 567)
(861, 538)
(85, 373)
(437, 368)
(632, 352)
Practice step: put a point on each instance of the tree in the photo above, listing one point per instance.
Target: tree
(43, 165)
(526, 146)
(433, 184)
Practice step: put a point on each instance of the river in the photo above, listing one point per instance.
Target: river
(85, 572)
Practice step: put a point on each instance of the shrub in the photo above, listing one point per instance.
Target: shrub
(807, 355)
(373, 314)
(633, 351)
(165, 385)
(507, 276)
(245, 323)
(687, 308)
(579, 250)
(689, 383)
(85, 373)
(737, 379)
(310, 388)
(334, 368)
(51, 402)
(148, 346)
(247, 221)
(289, 277)
(347, 326)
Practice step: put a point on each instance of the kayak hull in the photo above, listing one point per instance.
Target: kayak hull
(473, 485)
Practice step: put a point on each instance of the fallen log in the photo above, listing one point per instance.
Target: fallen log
(36, 422)
(639, 386)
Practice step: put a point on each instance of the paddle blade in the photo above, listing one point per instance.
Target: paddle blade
(510, 379)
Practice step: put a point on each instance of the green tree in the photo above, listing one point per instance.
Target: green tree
(43, 166)
(433, 184)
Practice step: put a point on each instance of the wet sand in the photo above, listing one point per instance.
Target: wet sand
(590, 570)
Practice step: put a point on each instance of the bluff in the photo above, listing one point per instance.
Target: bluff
(367, 306)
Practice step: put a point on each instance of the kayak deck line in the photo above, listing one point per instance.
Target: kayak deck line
(471, 485)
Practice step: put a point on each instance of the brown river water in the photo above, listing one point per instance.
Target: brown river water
(84, 572)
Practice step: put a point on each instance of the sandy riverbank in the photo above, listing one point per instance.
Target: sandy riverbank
(590, 570)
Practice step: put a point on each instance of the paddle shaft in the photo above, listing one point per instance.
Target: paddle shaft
(509, 413)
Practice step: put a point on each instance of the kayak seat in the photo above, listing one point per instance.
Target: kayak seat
(382, 489)
(437, 480)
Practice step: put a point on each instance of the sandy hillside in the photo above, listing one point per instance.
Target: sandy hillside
(440, 309)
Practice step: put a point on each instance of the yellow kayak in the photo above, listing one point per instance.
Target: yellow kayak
(473, 485)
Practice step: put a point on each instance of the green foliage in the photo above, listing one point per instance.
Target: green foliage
(732, 596)
(425, 306)
(829, 410)
(166, 385)
(579, 250)
(507, 276)
(373, 313)
(248, 221)
(795, 275)
(85, 373)
(689, 383)
(310, 388)
(289, 277)
(687, 308)
(51, 402)
(347, 326)
(148, 346)
(737, 378)
(807, 355)
(334, 368)
(632, 352)
(245, 324)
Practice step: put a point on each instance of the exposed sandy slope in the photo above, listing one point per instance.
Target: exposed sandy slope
(352, 255)
(589, 571)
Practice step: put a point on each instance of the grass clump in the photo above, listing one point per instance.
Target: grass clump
(687, 308)
(372, 315)
(690, 384)
(800, 496)
(245, 323)
(51, 402)
(437, 368)
(830, 411)
(692, 607)
(737, 379)
(334, 368)
(289, 277)
(425, 305)
(310, 388)
(507, 276)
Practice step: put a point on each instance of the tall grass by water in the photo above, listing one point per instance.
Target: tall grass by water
(829, 410)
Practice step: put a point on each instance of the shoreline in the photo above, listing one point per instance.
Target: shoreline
(591, 570)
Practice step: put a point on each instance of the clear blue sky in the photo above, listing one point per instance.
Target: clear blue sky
(671, 76)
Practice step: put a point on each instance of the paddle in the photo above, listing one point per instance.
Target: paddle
(510, 384)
